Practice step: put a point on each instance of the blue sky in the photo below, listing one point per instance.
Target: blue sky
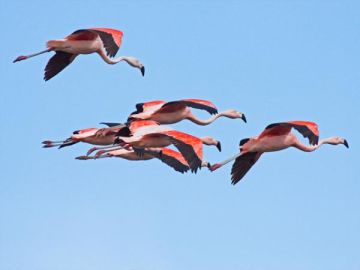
(273, 60)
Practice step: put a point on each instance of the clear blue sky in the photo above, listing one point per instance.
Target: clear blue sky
(273, 60)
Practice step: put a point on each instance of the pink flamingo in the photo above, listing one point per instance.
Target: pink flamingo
(150, 134)
(275, 137)
(175, 111)
(96, 136)
(104, 41)
(168, 156)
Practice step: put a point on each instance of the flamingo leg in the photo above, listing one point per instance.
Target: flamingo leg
(108, 147)
(92, 157)
(24, 57)
(47, 144)
(226, 161)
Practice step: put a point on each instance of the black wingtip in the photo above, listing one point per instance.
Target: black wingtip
(218, 146)
(346, 144)
(142, 69)
(110, 124)
(243, 117)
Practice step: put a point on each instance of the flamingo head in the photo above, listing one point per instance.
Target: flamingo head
(211, 141)
(338, 140)
(132, 61)
(234, 114)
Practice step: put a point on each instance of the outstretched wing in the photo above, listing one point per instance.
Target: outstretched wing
(195, 103)
(173, 159)
(307, 129)
(111, 39)
(145, 107)
(57, 63)
(242, 165)
(189, 146)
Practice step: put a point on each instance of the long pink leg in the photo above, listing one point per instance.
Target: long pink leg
(49, 143)
(24, 57)
(101, 148)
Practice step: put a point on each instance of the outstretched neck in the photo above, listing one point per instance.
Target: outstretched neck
(203, 122)
(112, 61)
(310, 148)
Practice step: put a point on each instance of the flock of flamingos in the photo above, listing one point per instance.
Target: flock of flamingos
(144, 136)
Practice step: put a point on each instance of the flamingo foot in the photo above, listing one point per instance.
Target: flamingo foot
(83, 158)
(48, 144)
(215, 167)
(20, 58)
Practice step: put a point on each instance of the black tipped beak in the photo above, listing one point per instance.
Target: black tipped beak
(218, 146)
(243, 118)
(346, 144)
(142, 69)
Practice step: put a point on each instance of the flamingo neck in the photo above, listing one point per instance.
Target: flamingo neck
(310, 148)
(203, 122)
(112, 61)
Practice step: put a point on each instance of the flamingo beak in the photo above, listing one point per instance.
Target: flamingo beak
(218, 146)
(243, 118)
(346, 144)
(142, 69)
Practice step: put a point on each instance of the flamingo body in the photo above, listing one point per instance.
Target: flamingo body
(153, 135)
(104, 41)
(275, 137)
(176, 111)
(95, 136)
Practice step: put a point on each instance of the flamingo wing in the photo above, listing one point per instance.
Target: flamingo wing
(242, 165)
(307, 129)
(195, 103)
(189, 146)
(110, 124)
(110, 38)
(57, 63)
(173, 159)
(146, 107)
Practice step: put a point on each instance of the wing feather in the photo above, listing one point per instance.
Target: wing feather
(57, 63)
(195, 103)
(242, 165)
(307, 129)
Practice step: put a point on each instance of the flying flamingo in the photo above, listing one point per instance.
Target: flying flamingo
(168, 156)
(103, 136)
(104, 41)
(275, 137)
(151, 135)
(175, 111)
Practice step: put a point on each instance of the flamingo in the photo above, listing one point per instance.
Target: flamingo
(150, 134)
(168, 156)
(104, 41)
(175, 111)
(275, 137)
(103, 136)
